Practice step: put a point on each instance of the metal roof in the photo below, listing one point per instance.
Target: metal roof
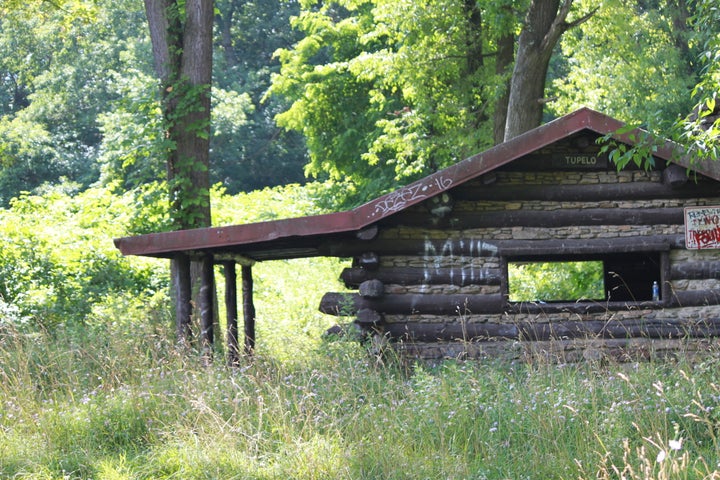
(309, 236)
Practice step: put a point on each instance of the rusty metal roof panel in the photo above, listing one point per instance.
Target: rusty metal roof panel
(309, 233)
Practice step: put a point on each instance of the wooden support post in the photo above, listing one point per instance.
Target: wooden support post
(231, 307)
(248, 309)
(183, 297)
(206, 303)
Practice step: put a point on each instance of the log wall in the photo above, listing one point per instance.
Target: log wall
(437, 284)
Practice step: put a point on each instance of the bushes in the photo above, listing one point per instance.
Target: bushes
(57, 259)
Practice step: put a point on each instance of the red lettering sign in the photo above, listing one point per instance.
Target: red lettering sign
(702, 227)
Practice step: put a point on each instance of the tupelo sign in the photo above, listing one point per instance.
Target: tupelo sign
(702, 227)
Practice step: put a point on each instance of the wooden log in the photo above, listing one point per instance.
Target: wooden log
(537, 308)
(552, 218)
(367, 233)
(695, 270)
(429, 275)
(675, 175)
(231, 315)
(586, 193)
(694, 298)
(248, 309)
(432, 304)
(183, 298)
(206, 304)
(372, 289)
(440, 206)
(467, 247)
(641, 328)
(368, 261)
(595, 246)
(481, 247)
(367, 317)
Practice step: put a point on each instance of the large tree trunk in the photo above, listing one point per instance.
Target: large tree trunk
(182, 51)
(545, 23)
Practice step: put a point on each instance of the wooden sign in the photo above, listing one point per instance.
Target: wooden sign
(702, 227)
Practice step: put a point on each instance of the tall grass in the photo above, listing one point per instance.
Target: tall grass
(112, 398)
(116, 400)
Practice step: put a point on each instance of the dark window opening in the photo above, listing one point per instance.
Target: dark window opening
(621, 277)
(629, 277)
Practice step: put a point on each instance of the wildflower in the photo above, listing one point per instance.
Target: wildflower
(675, 444)
(661, 456)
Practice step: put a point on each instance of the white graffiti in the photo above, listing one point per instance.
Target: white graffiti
(399, 199)
(457, 252)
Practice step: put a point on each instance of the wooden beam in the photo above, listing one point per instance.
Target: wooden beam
(594, 246)
(526, 331)
(248, 309)
(367, 233)
(586, 193)
(368, 318)
(695, 270)
(675, 175)
(429, 275)
(367, 260)
(342, 304)
(551, 218)
(183, 298)
(694, 298)
(231, 309)
(596, 306)
(482, 247)
(467, 247)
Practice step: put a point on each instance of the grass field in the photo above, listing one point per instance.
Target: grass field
(115, 400)
(93, 387)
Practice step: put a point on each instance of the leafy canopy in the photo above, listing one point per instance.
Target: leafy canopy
(385, 92)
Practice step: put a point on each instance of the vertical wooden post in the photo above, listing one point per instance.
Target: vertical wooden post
(183, 297)
(231, 307)
(248, 309)
(206, 303)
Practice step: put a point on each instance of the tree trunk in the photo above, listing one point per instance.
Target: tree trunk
(503, 61)
(182, 53)
(545, 23)
(182, 50)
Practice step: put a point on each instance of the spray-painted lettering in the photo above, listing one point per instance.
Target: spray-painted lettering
(702, 227)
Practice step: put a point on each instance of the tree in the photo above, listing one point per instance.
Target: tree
(638, 67)
(250, 151)
(58, 64)
(385, 92)
(181, 34)
(545, 23)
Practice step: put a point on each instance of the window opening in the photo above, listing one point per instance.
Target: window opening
(543, 281)
(618, 277)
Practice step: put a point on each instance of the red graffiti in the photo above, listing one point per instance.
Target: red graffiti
(706, 238)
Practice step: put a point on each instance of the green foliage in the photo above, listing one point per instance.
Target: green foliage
(287, 201)
(386, 92)
(556, 281)
(57, 261)
(676, 53)
(56, 66)
(249, 151)
(635, 66)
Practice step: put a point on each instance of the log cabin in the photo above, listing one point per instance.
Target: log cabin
(433, 262)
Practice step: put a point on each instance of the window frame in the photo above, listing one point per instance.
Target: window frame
(589, 251)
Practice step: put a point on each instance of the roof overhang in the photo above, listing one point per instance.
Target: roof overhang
(306, 236)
